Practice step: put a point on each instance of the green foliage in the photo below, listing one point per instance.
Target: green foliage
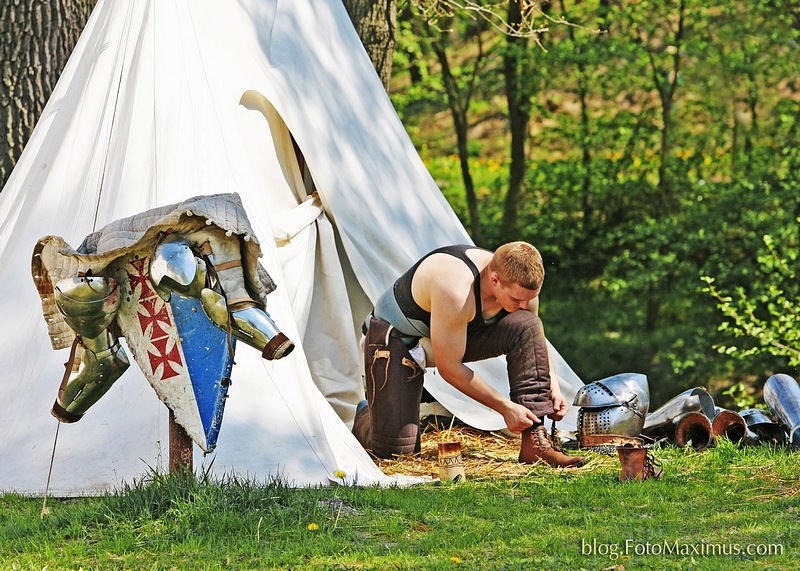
(629, 218)
(767, 313)
(741, 396)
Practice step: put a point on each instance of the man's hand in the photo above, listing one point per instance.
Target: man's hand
(518, 418)
(560, 405)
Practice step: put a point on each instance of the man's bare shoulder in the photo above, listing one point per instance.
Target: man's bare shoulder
(446, 281)
(444, 268)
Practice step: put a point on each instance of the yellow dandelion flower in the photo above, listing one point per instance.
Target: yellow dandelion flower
(455, 559)
(313, 527)
(339, 474)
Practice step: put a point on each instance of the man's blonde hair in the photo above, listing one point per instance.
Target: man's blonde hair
(518, 263)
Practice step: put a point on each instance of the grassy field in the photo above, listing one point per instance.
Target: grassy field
(724, 508)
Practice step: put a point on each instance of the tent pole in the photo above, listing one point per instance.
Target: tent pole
(180, 448)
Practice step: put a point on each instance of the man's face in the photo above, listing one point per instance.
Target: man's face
(513, 296)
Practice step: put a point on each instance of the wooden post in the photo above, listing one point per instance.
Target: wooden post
(180, 448)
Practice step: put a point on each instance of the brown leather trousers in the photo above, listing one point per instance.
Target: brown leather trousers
(390, 424)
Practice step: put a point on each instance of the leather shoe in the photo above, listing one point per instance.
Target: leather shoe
(536, 446)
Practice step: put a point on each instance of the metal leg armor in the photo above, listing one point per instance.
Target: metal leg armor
(662, 422)
(177, 266)
(102, 363)
(694, 428)
(761, 427)
(782, 395)
(730, 424)
(89, 305)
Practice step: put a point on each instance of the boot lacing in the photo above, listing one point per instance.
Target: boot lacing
(554, 439)
(541, 439)
(652, 467)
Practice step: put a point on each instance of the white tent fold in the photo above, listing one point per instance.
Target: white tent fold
(163, 100)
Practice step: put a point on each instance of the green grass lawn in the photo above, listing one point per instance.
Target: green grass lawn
(724, 508)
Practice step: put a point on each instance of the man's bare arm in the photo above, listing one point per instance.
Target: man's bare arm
(449, 318)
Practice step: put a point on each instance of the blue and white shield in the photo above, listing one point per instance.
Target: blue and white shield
(182, 354)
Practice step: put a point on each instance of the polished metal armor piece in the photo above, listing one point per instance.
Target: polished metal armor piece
(614, 406)
(694, 428)
(761, 427)
(103, 361)
(255, 327)
(782, 395)
(89, 304)
(174, 267)
(729, 424)
(662, 422)
(251, 324)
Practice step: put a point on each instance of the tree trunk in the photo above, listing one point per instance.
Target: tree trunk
(666, 82)
(458, 100)
(36, 39)
(585, 143)
(519, 114)
(375, 22)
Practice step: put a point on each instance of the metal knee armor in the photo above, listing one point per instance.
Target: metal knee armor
(89, 306)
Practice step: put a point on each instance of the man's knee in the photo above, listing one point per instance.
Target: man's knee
(520, 332)
(524, 323)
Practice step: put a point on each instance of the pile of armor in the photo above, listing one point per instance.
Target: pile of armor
(615, 412)
(181, 283)
(614, 415)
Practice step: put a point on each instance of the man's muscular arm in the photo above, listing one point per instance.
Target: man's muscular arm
(450, 313)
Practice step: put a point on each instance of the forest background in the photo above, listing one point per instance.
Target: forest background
(648, 149)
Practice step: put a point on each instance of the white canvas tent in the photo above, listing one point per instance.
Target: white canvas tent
(163, 100)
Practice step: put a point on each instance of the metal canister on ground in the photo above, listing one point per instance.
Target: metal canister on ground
(451, 464)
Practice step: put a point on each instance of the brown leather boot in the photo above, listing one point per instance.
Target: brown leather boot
(362, 425)
(536, 445)
(637, 464)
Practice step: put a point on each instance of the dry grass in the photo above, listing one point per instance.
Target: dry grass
(485, 455)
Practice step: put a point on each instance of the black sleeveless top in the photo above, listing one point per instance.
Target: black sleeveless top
(410, 308)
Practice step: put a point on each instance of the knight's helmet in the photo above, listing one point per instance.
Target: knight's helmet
(612, 410)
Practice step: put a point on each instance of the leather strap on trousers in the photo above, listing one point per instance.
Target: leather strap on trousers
(394, 390)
